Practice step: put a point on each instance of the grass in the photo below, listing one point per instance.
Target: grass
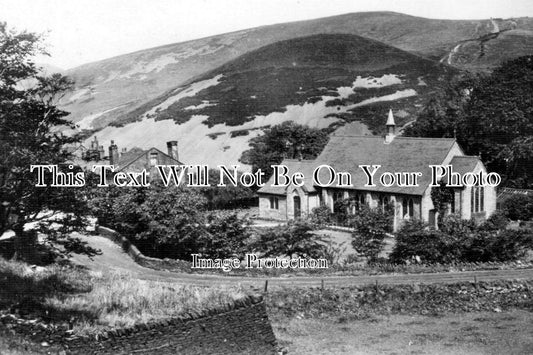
(92, 301)
(14, 344)
(490, 318)
(470, 333)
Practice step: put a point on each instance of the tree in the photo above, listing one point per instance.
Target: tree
(229, 196)
(171, 222)
(491, 116)
(30, 134)
(225, 236)
(371, 227)
(287, 140)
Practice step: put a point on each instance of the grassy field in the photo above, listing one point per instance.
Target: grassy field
(488, 318)
(91, 301)
(469, 333)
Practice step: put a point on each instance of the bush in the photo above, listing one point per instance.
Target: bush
(227, 236)
(321, 216)
(371, 227)
(460, 241)
(498, 220)
(296, 238)
(417, 239)
(518, 207)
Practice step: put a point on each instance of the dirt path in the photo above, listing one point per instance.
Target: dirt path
(113, 258)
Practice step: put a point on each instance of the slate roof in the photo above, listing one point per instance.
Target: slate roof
(136, 153)
(306, 167)
(463, 164)
(403, 154)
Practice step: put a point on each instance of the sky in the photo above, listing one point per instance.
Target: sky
(82, 31)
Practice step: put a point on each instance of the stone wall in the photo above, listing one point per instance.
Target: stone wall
(140, 258)
(242, 328)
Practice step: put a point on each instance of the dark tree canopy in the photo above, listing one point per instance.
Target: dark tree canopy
(30, 134)
(287, 140)
(490, 116)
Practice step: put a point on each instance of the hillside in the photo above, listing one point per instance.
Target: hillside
(321, 80)
(109, 88)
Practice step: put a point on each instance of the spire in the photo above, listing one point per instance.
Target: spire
(391, 128)
(390, 119)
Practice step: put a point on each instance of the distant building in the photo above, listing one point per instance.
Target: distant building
(133, 160)
(345, 153)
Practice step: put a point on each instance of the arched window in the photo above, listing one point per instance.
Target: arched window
(383, 202)
(452, 203)
(357, 200)
(477, 199)
(408, 208)
(481, 198)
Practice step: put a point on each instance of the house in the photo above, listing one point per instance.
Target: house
(133, 160)
(345, 153)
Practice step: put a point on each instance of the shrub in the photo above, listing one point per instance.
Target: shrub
(296, 238)
(460, 241)
(498, 220)
(417, 239)
(321, 215)
(227, 236)
(371, 227)
(518, 207)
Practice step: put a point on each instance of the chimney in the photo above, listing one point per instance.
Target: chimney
(123, 151)
(101, 152)
(113, 153)
(94, 144)
(172, 149)
(391, 128)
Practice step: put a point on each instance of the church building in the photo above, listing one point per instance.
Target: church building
(346, 153)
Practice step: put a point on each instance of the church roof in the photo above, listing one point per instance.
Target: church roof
(463, 164)
(403, 154)
(306, 167)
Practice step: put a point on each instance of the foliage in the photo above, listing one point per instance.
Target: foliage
(170, 222)
(460, 241)
(441, 196)
(229, 196)
(227, 236)
(518, 207)
(321, 215)
(371, 227)
(498, 220)
(296, 238)
(30, 135)
(286, 140)
(492, 117)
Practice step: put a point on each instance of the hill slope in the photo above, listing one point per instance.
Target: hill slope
(112, 87)
(321, 81)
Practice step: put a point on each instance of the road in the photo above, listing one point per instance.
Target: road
(113, 258)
